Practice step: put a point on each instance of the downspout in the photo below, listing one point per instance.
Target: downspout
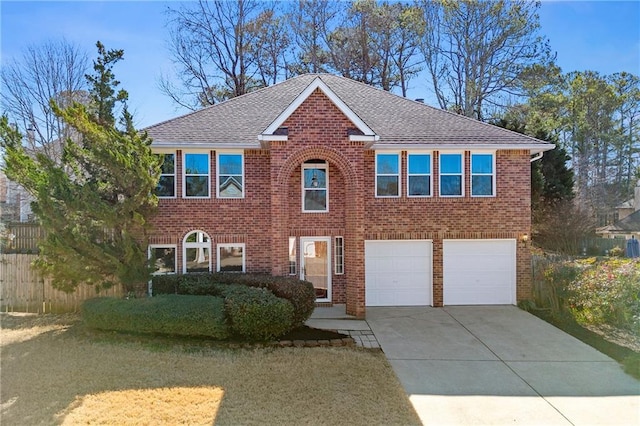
(537, 157)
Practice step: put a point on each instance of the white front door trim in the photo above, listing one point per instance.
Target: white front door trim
(305, 251)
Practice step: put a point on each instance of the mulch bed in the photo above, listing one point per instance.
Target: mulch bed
(310, 333)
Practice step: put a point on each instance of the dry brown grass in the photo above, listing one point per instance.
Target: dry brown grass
(53, 372)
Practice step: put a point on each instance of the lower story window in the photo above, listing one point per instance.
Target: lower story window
(163, 259)
(293, 266)
(339, 255)
(231, 258)
(196, 256)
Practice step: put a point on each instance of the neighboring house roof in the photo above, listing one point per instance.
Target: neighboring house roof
(626, 205)
(626, 225)
(391, 121)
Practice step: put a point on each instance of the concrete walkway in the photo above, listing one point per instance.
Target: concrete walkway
(335, 318)
(500, 365)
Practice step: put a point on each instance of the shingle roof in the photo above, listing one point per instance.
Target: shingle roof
(629, 223)
(397, 121)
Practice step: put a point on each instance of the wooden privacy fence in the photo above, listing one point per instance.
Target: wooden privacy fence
(23, 238)
(23, 289)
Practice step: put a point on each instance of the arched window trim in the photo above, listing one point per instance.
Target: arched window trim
(203, 246)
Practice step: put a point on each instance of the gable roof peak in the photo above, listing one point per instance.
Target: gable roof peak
(318, 83)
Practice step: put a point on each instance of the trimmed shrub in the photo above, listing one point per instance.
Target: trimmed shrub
(164, 284)
(167, 314)
(299, 293)
(256, 314)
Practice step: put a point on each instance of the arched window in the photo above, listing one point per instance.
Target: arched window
(196, 251)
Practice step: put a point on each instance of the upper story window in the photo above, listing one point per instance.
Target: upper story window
(315, 186)
(482, 175)
(196, 175)
(196, 252)
(167, 183)
(387, 175)
(419, 175)
(230, 170)
(451, 176)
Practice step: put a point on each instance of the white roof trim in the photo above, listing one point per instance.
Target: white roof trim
(204, 145)
(273, 137)
(317, 83)
(364, 138)
(465, 146)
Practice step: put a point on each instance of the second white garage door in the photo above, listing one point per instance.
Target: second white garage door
(479, 272)
(398, 272)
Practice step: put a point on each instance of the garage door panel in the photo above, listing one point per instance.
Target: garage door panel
(479, 272)
(413, 263)
(398, 273)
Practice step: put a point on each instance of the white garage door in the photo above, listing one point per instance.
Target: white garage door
(398, 272)
(479, 272)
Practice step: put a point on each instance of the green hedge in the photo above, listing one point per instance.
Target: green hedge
(299, 293)
(256, 314)
(166, 314)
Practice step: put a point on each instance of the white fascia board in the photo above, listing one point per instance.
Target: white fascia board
(269, 138)
(317, 83)
(534, 149)
(203, 145)
(364, 138)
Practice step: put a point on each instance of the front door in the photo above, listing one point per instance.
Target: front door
(316, 265)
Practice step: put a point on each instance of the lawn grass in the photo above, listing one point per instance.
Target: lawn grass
(629, 359)
(53, 371)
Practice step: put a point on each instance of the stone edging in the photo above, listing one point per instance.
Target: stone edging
(346, 341)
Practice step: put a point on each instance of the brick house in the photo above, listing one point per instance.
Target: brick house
(376, 199)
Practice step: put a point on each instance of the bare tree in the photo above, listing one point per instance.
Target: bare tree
(476, 51)
(211, 48)
(310, 21)
(378, 43)
(54, 70)
(271, 43)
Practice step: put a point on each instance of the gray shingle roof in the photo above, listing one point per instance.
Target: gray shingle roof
(629, 223)
(396, 120)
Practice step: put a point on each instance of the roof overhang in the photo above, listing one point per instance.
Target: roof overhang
(532, 148)
(203, 145)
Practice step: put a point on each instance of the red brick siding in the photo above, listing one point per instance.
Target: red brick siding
(271, 211)
(507, 215)
(225, 220)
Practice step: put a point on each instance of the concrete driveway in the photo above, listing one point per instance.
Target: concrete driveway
(500, 365)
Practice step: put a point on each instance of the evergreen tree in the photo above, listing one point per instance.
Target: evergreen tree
(95, 203)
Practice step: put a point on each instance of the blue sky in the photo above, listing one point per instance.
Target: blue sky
(603, 36)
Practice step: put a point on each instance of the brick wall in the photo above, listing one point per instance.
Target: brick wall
(271, 211)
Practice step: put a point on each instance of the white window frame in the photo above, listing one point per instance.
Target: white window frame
(227, 245)
(338, 254)
(492, 174)
(175, 177)
(184, 174)
(441, 174)
(397, 175)
(315, 166)
(430, 174)
(242, 175)
(293, 256)
(164, 246)
(198, 244)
